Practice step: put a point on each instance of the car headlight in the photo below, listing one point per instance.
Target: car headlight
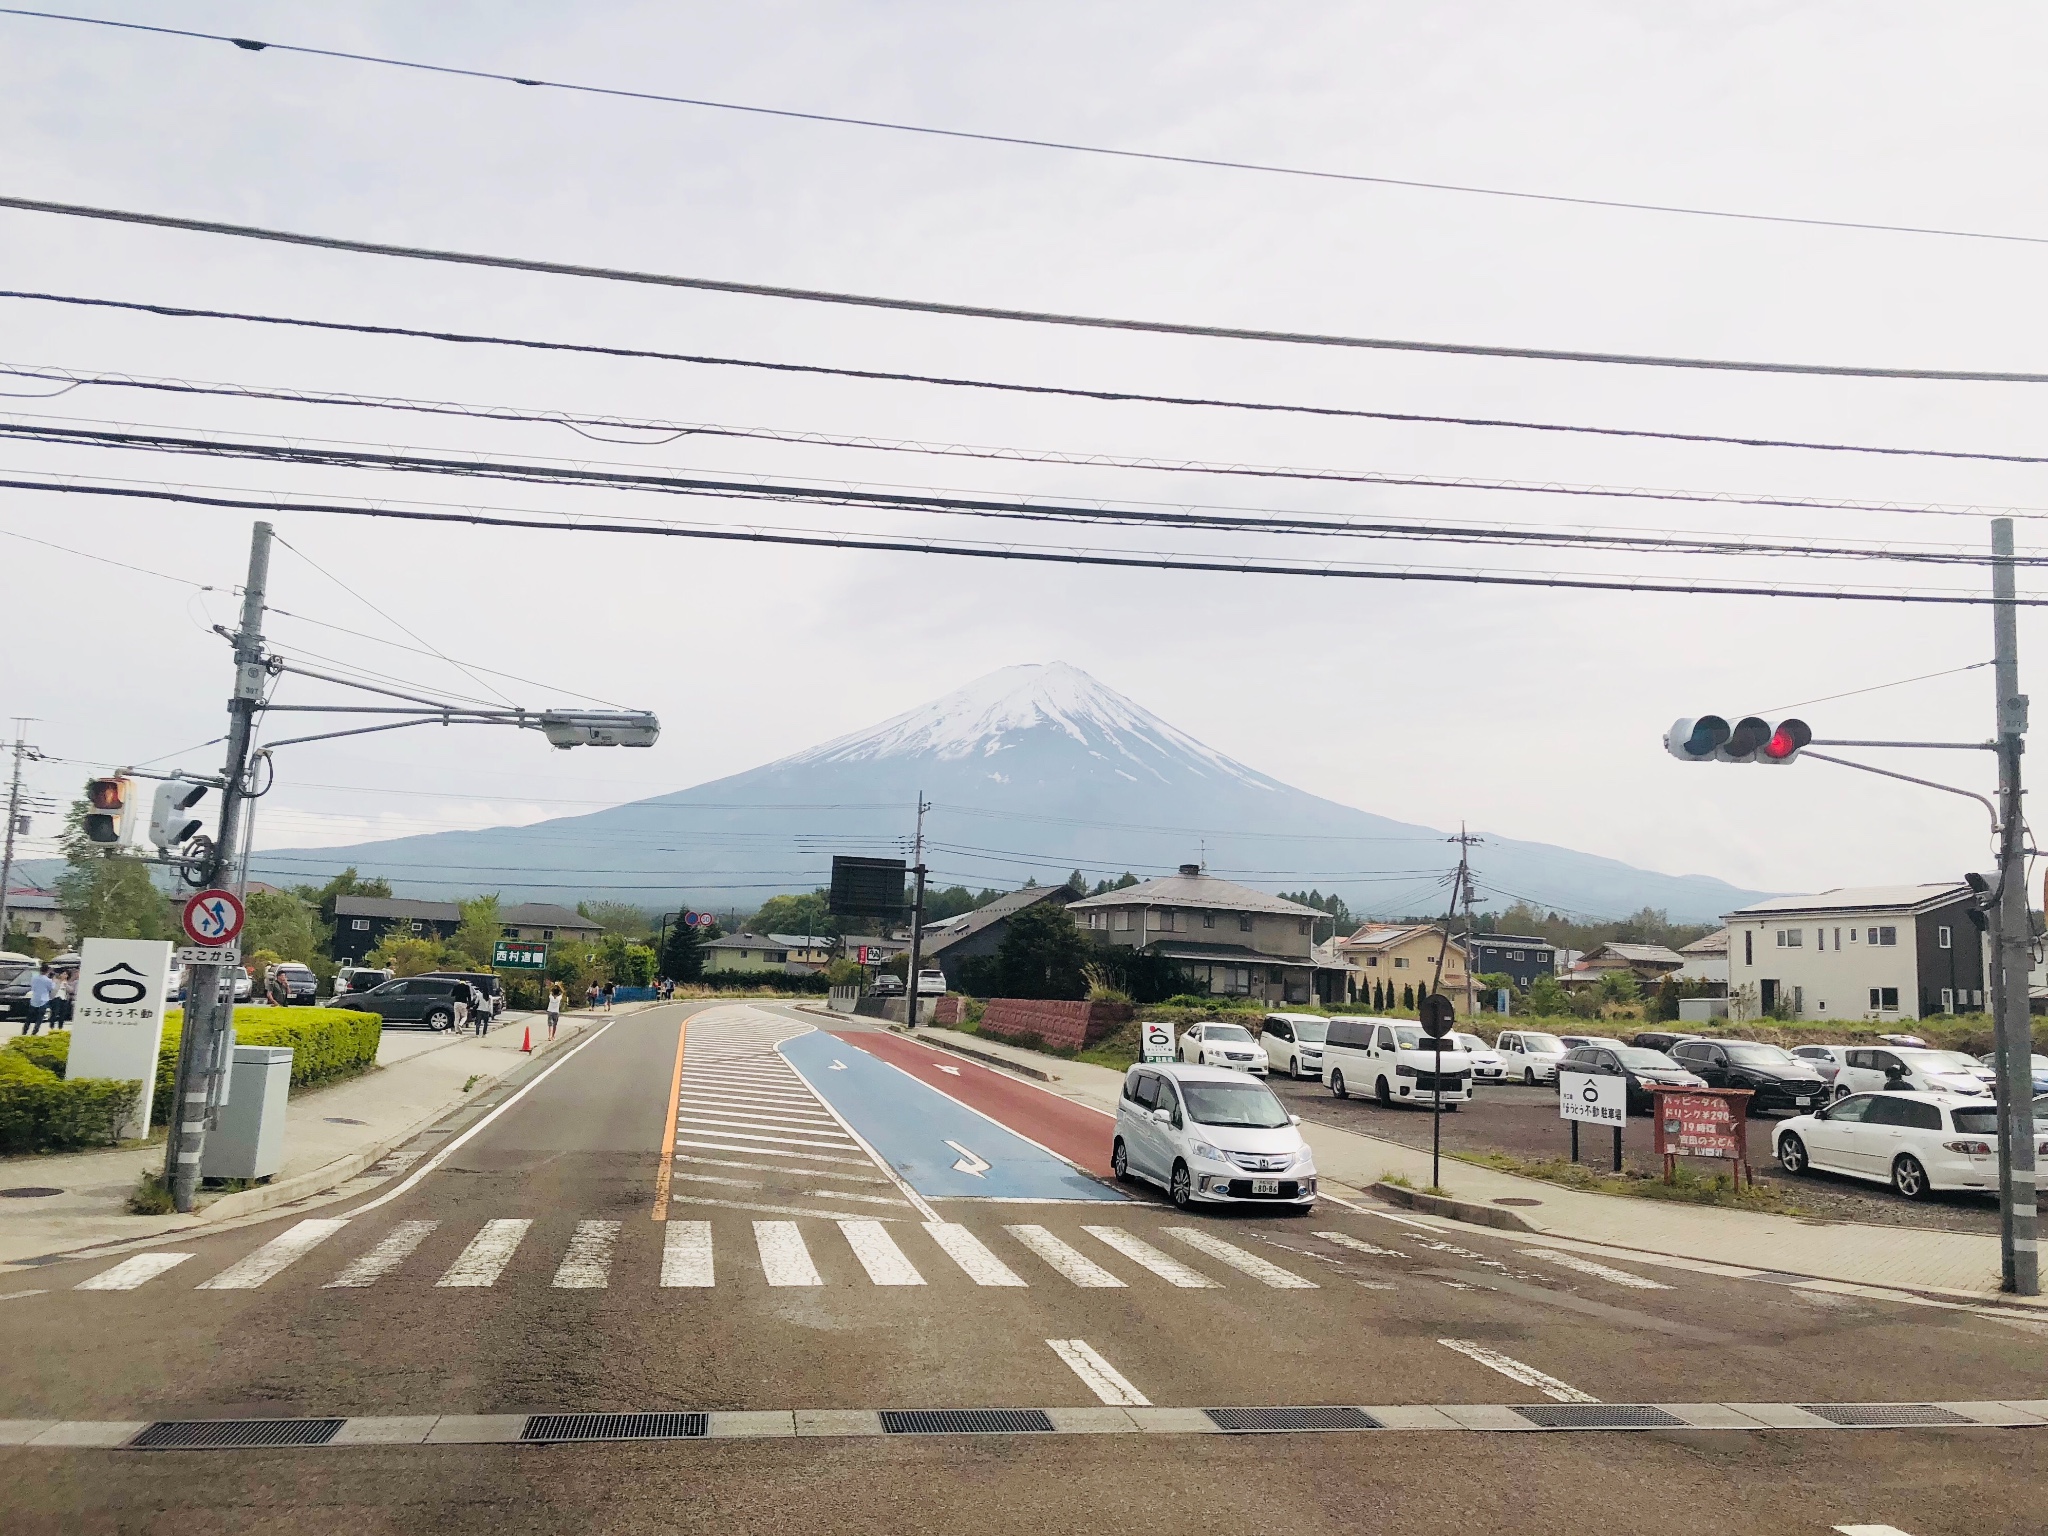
(1203, 1149)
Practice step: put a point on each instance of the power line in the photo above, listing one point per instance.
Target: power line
(1060, 391)
(995, 312)
(1019, 141)
(1245, 566)
(1829, 698)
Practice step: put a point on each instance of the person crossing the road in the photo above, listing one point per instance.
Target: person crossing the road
(554, 1008)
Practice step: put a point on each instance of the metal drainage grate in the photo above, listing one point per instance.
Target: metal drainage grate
(615, 1426)
(1243, 1421)
(1598, 1416)
(964, 1421)
(1883, 1415)
(231, 1434)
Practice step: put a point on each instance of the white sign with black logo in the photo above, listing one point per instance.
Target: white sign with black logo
(117, 1019)
(1593, 1097)
(1157, 1040)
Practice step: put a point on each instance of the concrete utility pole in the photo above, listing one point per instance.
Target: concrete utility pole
(207, 1012)
(916, 912)
(2019, 1220)
(21, 750)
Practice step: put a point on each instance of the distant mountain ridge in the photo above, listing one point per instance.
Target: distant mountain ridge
(1031, 771)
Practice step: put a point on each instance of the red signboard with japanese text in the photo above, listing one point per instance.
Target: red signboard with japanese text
(1702, 1122)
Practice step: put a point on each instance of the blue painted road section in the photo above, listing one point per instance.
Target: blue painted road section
(909, 1124)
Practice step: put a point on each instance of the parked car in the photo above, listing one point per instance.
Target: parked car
(1866, 1069)
(1396, 1063)
(484, 981)
(1488, 1066)
(1643, 1069)
(1573, 1042)
(1914, 1141)
(1210, 1135)
(2038, 1064)
(14, 974)
(886, 985)
(1775, 1078)
(358, 978)
(290, 984)
(1293, 1043)
(435, 1001)
(1215, 1044)
(931, 983)
(1658, 1039)
(1824, 1059)
(1530, 1054)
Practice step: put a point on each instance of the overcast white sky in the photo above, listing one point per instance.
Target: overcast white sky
(1532, 713)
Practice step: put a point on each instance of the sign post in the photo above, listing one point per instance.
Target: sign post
(1703, 1122)
(1593, 1098)
(1438, 1017)
(117, 1024)
(1156, 1037)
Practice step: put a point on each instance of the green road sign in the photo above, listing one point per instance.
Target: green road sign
(513, 955)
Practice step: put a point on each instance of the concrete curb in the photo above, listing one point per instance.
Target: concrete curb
(1469, 1211)
(941, 1042)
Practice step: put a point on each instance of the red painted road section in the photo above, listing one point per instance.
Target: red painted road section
(1074, 1131)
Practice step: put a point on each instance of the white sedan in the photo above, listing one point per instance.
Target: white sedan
(1915, 1142)
(1488, 1065)
(1214, 1044)
(1530, 1054)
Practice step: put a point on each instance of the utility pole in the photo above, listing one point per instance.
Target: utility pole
(2019, 1219)
(1466, 843)
(207, 1012)
(916, 910)
(21, 750)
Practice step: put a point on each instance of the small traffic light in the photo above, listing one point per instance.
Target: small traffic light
(171, 822)
(1710, 738)
(1785, 742)
(1696, 741)
(106, 816)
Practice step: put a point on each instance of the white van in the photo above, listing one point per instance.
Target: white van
(1394, 1061)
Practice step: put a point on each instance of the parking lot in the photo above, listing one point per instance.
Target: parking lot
(1524, 1122)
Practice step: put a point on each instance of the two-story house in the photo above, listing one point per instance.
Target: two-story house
(950, 942)
(543, 922)
(1232, 940)
(1390, 960)
(746, 952)
(1511, 955)
(1877, 952)
(361, 923)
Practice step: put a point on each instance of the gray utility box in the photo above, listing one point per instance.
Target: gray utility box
(249, 1141)
(1702, 1010)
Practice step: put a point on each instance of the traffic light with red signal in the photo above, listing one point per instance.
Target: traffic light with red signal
(1711, 739)
(108, 804)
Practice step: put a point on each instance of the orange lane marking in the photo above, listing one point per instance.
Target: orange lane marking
(668, 1135)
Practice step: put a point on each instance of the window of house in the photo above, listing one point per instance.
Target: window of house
(1301, 925)
(1942, 938)
(1400, 963)
(1123, 919)
(1838, 938)
(1948, 1001)
(508, 932)
(547, 933)
(1884, 999)
(418, 926)
(359, 924)
(1244, 922)
(1885, 938)
(1208, 919)
(1791, 938)
(1372, 959)
(1514, 954)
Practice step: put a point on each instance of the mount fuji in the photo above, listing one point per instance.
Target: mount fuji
(1030, 771)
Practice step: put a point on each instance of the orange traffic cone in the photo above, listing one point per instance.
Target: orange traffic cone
(526, 1044)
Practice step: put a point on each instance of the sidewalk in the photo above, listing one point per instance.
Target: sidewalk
(331, 1135)
(1951, 1263)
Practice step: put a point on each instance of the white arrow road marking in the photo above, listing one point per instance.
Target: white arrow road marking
(969, 1163)
(1515, 1370)
(1103, 1379)
(837, 1066)
(949, 1071)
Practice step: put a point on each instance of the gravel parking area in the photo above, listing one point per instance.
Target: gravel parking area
(1524, 1122)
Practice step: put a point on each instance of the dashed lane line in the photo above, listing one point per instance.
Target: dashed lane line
(1516, 1370)
(1098, 1375)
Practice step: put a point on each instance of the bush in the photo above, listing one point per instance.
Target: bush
(762, 981)
(39, 1111)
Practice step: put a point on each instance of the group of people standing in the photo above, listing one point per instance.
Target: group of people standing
(49, 998)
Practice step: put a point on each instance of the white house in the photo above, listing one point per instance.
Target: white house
(1877, 952)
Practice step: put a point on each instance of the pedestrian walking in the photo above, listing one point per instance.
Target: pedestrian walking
(61, 1006)
(554, 1008)
(609, 988)
(590, 995)
(40, 991)
(479, 1010)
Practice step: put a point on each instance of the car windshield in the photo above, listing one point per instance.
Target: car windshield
(1241, 1104)
(1934, 1061)
(1411, 1040)
(1231, 1032)
(1315, 1031)
(1758, 1055)
(1548, 1044)
(1637, 1059)
(1471, 1043)
(1962, 1061)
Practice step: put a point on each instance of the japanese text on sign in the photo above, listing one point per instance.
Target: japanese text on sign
(1699, 1125)
(1593, 1097)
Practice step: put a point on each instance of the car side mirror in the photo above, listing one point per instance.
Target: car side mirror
(1294, 1119)
(1162, 1116)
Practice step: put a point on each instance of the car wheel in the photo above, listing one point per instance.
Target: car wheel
(1337, 1087)
(1909, 1178)
(1120, 1162)
(1183, 1190)
(1792, 1154)
(1841, 1090)
(1382, 1092)
(1528, 1077)
(440, 1018)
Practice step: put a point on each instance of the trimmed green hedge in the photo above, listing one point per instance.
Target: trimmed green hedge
(40, 1111)
(762, 981)
(326, 1043)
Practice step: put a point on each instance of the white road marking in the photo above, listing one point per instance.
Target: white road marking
(1597, 1271)
(1164, 1265)
(17, 1295)
(968, 1251)
(755, 1108)
(784, 1258)
(1870, 1530)
(878, 1253)
(847, 1194)
(1406, 1221)
(1069, 1261)
(686, 1254)
(1360, 1245)
(808, 1157)
(130, 1273)
(949, 1071)
(809, 1173)
(394, 1250)
(293, 1243)
(837, 1066)
(1262, 1270)
(759, 1141)
(712, 1178)
(1102, 1378)
(969, 1162)
(587, 1266)
(1515, 1370)
(487, 1254)
(684, 1197)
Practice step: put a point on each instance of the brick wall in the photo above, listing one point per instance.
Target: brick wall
(1065, 1026)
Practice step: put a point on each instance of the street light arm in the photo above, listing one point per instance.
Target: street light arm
(1843, 762)
(366, 730)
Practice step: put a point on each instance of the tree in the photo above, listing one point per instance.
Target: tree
(321, 899)
(952, 901)
(1620, 986)
(1077, 882)
(280, 922)
(476, 937)
(407, 954)
(1042, 954)
(1121, 882)
(805, 914)
(1379, 997)
(617, 917)
(682, 952)
(106, 891)
(1547, 999)
(1407, 996)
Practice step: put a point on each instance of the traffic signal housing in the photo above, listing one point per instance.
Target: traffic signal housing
(1696, 740)
(171, 822)
(1711, 739)
(1785, 742)
(107, 803)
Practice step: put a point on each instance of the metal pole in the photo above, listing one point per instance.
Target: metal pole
(2019, 1222)
(1436, 1119)
(13, 812)
(916, 914)
(207, 1014)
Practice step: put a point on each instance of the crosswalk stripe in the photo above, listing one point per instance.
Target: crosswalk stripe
(752, 1109)
(1164, 1265)
(1069, 1261)
(1598, 1271)
(967, 1250)
(772, 1141)
(292, 1244)
(810, 1173)
(587, 1266)
(1518, 1370)
(1101, 1378)
(1360, 1245)
(394, 1250)
(684, 1197)
(129, 1273)
(723, 1121)
(487, 1254)
(1244, 1263)
(878, 1253)
(686, 1254)
(761, 1151)
(784, 1258)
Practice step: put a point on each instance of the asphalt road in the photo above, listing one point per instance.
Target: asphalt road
(722, 1208)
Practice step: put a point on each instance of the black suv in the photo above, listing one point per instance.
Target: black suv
(14, 975)
(428, 1000)
(1775, 1078)
(484, 981)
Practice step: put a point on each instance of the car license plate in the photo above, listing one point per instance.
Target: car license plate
(1802, 1103)
(1265, 1186)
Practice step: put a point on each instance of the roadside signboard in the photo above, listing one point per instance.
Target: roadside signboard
(1592, 1097)
(1695, 1124)
(213, 917)
(207, 954)
(1157, 1037)
(117, 1019)
(518, 955)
